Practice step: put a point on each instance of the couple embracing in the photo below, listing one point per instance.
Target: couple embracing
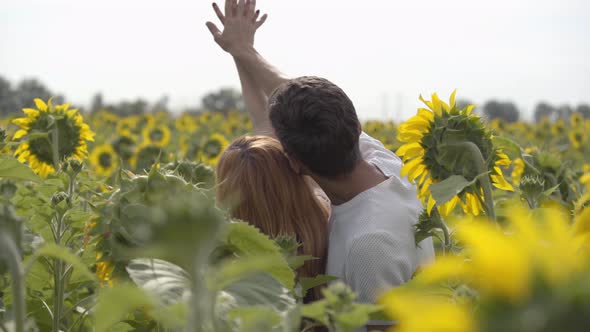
(311, 172)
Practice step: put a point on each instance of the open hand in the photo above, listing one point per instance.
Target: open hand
(240, 22)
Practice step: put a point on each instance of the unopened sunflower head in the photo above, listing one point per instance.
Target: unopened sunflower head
(37, 140)
(426, 139)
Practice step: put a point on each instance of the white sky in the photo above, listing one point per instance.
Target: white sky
(384, 53)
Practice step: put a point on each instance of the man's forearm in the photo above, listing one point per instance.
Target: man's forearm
(266, 76)
(256, 102)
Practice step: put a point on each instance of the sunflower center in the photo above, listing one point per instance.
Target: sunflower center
(212, 148)
(156, 135)
(105, 159)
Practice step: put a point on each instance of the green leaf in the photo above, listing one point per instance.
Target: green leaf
(309, 283)
(508, 146)
(445, 190)
(257, 318)
(12, 168)
(232, 270)
(114, 304)
(296, 262)
(62, 253)
(317, 311)
(166, 281)
(248, 241)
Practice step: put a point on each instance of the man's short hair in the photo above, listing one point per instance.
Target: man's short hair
(317, 124)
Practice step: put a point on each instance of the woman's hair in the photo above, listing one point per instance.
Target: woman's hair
(258, 185)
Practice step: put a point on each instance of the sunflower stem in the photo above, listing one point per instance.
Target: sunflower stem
(485, 182)
(9, 251)
(55, 145)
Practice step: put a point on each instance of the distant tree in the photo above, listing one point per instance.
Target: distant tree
(584, 109)
(7, 99)
(564, 112)
(544, 110)
(506, 111)
(161, 105)
(29, 89)
(97, 103)
(224, 100)
(136, 107)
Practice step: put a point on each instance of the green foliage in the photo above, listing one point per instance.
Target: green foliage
(338, 311)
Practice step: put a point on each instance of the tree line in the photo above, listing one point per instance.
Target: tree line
(14, 98)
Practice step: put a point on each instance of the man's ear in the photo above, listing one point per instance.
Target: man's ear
(360, 129)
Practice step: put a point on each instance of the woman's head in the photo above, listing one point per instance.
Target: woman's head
(257, 184)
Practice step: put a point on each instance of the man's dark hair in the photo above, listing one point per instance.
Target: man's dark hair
(317, 124)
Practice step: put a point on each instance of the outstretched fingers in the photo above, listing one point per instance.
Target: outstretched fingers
(260, 22)
(213, 29)
(219, 13)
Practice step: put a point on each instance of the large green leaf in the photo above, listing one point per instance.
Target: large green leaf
(257, 302)
(248, 241)
(62, 253)
(167, 282)
(231, 271)
(445, 190)
(309, 283)
(12, 168)
(508, 146)
(114, 304)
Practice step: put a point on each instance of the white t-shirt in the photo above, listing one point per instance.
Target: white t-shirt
(372, 246)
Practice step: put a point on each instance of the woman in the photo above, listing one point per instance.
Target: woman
(257, 184)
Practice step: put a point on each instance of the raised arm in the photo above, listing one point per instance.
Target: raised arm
(241, 20)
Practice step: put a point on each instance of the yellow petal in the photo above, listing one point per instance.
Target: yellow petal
(452, 100)
(408, 167)
(31, 112)
(409, 136)
(410, 150)
(500, 182)
(20, 133)
(40, 104)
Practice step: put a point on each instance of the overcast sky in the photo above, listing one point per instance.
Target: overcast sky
(384, 53)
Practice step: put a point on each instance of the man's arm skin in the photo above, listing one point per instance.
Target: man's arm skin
(254, 97)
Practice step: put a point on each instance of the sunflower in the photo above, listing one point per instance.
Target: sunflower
(67, 125)
(146, 156)
(558, 128)
(426, 162)
(127, 126)
(577, 120)
(157, 135)
(104, 270)
(104, 160)
(186, 123)
(577, 137)
(212, 149)
(585, 178)
(124, 146)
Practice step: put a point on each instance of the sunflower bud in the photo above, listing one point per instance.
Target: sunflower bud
(75, 165)
(532, 188)
(8, 189)
(58, 197)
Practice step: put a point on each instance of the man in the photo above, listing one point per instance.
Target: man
(371, 244)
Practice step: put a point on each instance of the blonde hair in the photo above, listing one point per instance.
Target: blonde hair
(257, 183)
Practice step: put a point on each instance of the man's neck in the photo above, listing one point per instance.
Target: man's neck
(344, 188)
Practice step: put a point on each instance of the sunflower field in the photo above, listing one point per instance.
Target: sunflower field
(109, 223)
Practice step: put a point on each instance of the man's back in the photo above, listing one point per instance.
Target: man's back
(372, 245)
